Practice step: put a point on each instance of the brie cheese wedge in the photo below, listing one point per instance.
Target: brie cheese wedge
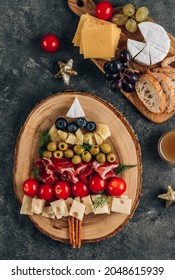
(75, 111)
(155, 46)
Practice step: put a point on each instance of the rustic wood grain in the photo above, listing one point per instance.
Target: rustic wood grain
(89, 7)
(124, 143)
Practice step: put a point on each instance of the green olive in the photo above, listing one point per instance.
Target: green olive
(111, 157)
(63, 146)
(86, 156)
(52, 146)
(47, 154)
(94, 150)
(58, 154)
(105, 148)
(78, 149)
(101, 158)
(68, 153)
(76, 159)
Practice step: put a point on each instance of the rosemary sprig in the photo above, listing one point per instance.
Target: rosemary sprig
(44, 139)
(86, 146)
(100, 201)
(121, 168)
(36, 172)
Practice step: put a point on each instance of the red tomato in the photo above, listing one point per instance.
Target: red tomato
(50, 43)
(97, 184)
(104, 10)
(46, 192)
(80, 189)
(116, 186)
(62, 189)
(30, 187)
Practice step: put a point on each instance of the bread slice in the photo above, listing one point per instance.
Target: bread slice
(165, 70)
(167, 87)
(167, 61)
(151, 94)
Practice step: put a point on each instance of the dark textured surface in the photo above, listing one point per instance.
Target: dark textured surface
(27, 77)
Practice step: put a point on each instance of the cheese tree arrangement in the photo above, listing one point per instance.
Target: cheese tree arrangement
(76, 173)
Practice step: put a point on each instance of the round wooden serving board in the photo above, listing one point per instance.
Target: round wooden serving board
(123, 141)
(88, 6)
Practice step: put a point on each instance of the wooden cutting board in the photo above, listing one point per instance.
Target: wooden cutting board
(124, 143)
(88, 6)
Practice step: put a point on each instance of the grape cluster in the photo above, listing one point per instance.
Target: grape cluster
(130, 17)
(119, 74)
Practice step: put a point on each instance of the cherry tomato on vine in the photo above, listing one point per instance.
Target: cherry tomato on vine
(116, 186)
(50, 43)
(97, 184)
(104, 10)
(30, 187)
(62, 189)
(46, 192)
(80, 189)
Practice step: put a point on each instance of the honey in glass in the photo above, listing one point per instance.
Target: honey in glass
(166, 146)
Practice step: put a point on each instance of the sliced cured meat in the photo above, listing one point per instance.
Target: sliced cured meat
(84, 171)
(65, 168)
(106, 170)
(46, 171)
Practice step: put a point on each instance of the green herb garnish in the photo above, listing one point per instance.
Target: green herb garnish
(121, 168)
(100, 201)
(86, 146)
(36, 172)
(44, 139)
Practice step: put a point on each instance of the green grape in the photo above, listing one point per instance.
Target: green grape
(141, 14)
(119, 19)
(131, 25)
(129, 10)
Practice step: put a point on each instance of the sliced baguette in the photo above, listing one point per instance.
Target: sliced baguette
(167, 61)
(151, 94)
(165, 70)
(167, 87)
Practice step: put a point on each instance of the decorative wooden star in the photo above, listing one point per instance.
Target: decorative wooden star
(169, 196)
(66, 71)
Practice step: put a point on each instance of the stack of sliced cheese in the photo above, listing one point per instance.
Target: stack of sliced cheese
(96, 38)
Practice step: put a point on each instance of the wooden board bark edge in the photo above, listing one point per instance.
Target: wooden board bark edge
(89, 7)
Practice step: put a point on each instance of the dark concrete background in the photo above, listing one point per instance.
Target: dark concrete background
(27, 77)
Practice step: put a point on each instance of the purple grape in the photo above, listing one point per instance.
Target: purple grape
(111, 76)
(125, 55)
(115, 86)
(115, 66)
(125, 65)
(128, 87)
(106, 66)
(132, 77)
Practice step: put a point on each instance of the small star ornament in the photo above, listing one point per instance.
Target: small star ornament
(169, 196)
(66, 71)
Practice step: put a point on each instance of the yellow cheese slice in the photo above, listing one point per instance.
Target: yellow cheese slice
(99, 40)
(77, 37)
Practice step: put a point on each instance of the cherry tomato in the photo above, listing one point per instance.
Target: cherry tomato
(50, 43)
(80, 189)
(104, 10)
(30, 187)
(62, 189)
(116, 186)
(97, 184)
(46, 192)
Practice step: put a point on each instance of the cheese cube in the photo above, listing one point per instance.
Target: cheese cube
(99, 140)
(103, 130)
(53, 132)
(100, 210)
(63, 135)
(59, 208)
(121, 205)
(26, 205)
(38, 205)
(77, 210)
(86, 200)
(70, 139)
(89, 138)
(79, 137)
(48, 212)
